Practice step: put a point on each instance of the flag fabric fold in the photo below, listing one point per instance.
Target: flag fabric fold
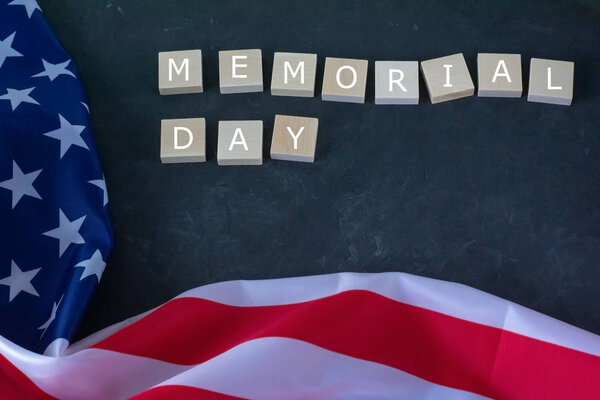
(55, 234)
(341, 336)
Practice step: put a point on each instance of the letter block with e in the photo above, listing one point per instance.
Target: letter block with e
(240, 71)
(294, 138)
(180, 72)
(183, 140)
(240, 143)
(294, 74)
(499, 75)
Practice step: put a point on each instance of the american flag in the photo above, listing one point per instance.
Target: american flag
(339, 336)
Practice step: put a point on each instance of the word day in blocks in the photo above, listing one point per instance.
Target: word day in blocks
(239, 142)
(396, 82)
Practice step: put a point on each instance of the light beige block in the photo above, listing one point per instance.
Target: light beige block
(180, 72)
(240, 143)
(447, 78)
(499, 75)
(396, 82)
(294, 138)
(240, 71)
(551, 81)
(182, 140)
(344, 80)
(294, 74)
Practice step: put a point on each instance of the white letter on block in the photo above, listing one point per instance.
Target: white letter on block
(295, 137)
(550, 87)
(242, 141)
(447, 66)
(339, 73)
(397, 81)
(299, 68)
(176, 144)
(184, 64)
(505, 74)
(234, 66)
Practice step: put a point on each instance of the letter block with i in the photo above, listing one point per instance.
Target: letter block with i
(182, 140)
(499, 75)
(447, 78)
(240, 143)
(551, 81)
(180, 72)
(294, 138)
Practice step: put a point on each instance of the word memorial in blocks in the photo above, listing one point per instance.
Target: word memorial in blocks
(344, 80)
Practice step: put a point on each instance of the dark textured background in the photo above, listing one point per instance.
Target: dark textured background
(500, 194)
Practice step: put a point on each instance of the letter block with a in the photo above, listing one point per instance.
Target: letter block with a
(294, 138)
(499, 75)
(240, 143)
(344, 80)
(180, 72)
(182, 140)
(447, 78)
(396, 82)
(551, 81)
(240, 71)
(294, 74)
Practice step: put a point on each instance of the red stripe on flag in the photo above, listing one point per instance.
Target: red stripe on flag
(15, 385)
(170, 392)
(439, 348)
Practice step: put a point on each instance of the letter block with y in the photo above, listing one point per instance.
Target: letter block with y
(183, 140)
(447, 78)
(396, 82)
(294, 74)
(499, 75)
(180, 72)
(294, 138)
(551, 81)
(240, 143)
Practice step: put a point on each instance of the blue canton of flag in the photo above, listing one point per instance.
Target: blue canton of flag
(55, 233)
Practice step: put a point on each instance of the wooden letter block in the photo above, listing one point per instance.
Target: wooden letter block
(447, 78)
(396, 82)
(344, 80)
(499, 75)
(551, 81)
(294, 74)
(182, 140)
(294, 138)
(240, 71)
(240, 143)
(180, 72)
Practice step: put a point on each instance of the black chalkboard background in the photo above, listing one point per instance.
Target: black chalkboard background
(499, 194)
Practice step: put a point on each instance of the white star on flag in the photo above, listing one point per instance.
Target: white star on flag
(101, 183)
(30, 6)
(52, 71)
(67, 232)
(93, 266)
(68, 135)
(17, 97)
(6, 49)
(19, 281)
(21, 184)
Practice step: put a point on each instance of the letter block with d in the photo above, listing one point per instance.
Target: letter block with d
(183, 140)
(180, 72)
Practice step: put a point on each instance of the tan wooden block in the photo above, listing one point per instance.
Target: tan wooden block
(499, 75)
(180, 72)
(294, 74)
(396, 82)
(294, 138)
(551, 81)
(447, 78)
(240, 71)
(182, 140)
(344, 80)
(240, 143)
